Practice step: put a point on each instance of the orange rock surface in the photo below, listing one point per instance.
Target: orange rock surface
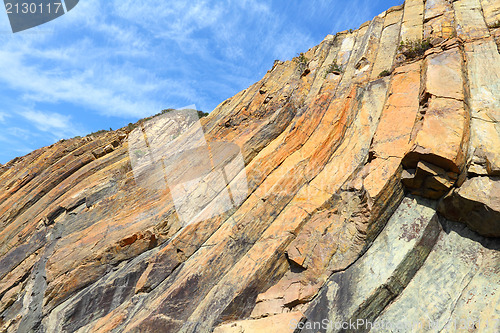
(329, 157)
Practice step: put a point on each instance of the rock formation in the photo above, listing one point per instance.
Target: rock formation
(372, 199)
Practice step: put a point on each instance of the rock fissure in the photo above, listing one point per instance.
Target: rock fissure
(333, 223)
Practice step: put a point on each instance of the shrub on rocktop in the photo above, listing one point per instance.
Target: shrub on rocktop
(414, 48)
(333, 68)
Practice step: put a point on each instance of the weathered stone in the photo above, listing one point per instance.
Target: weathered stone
(413, 20)
(442, 133)
(109, 148)
(387, 49)
(285, 323)
(444, 74)
(439, 20)
(368, 49)
(491, 12)
(409, 179)
(444, 119)
(319, 67)
(327, 155)
(496, 36)
(397, 120)
(295, 214)
(365, 288)
(483, 68)
(470, 20)
(462, 271)
(477, 204)
(427, 180)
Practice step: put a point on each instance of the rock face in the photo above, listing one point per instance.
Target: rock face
(365, 198)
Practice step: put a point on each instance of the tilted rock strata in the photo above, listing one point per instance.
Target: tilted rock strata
(331, 158)
(365, 288)
(456, 289)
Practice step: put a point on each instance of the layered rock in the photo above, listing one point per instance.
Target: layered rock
(326, 219)
(360, 292)
(462, 272)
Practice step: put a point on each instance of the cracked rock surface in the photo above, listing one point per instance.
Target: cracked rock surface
(363, 198)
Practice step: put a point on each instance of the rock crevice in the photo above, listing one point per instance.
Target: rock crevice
(363, 183)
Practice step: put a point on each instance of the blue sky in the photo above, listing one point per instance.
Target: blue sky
(107, 63)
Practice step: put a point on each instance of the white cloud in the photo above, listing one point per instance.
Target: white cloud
(107, 88)
(127, 69)
(18, 133)
(100, 70)
(132, 58)
(47, 121)
(55, 123)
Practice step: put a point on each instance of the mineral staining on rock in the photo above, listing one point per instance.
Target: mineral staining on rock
(361, 291)
(366, 197)
(462, 273)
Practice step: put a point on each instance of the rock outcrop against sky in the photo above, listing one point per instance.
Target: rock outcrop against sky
(364, 188)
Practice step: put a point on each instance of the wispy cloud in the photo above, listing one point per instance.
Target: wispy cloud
(107, 88)
(55, 123)
(106, 63)
(131, 69)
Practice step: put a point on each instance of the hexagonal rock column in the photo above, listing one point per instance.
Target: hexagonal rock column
(363, 290)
